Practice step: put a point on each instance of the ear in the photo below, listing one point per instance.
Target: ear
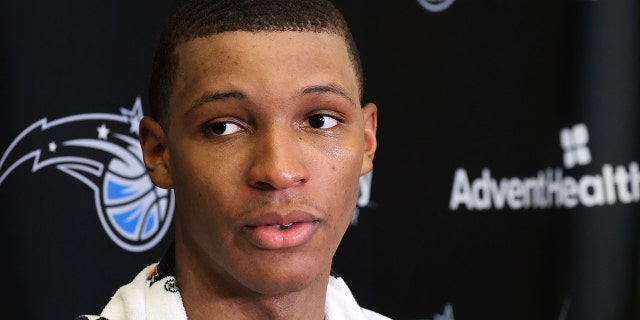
(370, 116)
(155, 152)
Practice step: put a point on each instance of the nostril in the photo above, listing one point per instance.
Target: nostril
(262, 185)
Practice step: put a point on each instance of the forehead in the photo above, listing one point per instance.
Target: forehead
(264, 60)
(239, 41)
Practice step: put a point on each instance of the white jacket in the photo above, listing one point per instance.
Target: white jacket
(154, 295)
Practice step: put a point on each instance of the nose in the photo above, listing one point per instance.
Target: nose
(278, 160)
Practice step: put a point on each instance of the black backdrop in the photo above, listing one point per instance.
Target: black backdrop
(476, 210)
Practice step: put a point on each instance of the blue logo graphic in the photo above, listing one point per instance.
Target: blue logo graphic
(96, 149)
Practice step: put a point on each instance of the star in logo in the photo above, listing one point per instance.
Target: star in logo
(103, 132)
(134, 116)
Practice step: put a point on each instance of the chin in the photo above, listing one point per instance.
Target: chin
(279, 281)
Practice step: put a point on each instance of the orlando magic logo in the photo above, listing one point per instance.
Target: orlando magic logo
(102, 151)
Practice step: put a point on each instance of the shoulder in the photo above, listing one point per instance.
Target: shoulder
(341, 303)
(131, 293)
(372, 315)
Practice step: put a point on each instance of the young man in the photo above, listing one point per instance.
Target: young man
(259, 128)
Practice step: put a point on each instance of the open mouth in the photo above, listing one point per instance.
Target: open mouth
(281, 235)
(282, 226)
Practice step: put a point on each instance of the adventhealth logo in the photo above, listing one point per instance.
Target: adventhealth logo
(574, 143)
(550, 187)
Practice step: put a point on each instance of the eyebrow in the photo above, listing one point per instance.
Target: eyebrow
(328, 88)
(218, 96)
(215, 96)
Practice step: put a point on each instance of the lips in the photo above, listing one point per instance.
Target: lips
(274, 231)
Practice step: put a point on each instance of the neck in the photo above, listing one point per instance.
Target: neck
(208, 292)
(269, 308)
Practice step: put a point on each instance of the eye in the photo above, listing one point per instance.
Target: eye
(222, 128)
(322, 121)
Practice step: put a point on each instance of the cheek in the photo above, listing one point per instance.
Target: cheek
(193, 175)
(344, 154)
(346, 151)
(346, 170)
(345, 164)
(203, 184)
(204, 203)
(343, 183)
(213, 184)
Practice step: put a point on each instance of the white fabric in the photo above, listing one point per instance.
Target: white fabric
(341, 305)
(143, 300)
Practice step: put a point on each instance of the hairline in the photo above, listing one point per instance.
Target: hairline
(203, 19)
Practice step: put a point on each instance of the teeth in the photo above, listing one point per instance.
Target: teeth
(283, 227)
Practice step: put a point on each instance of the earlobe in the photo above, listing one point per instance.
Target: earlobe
(370, 116)
(155, 153)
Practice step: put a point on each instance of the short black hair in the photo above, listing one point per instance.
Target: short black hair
(201, 18)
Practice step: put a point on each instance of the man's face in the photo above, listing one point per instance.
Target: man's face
(264, 148)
